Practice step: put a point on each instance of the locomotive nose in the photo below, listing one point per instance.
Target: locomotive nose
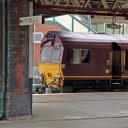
(52, 75)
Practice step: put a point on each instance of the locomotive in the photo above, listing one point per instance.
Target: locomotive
(73, 61)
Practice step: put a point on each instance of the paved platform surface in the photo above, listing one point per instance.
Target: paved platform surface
(82, 110)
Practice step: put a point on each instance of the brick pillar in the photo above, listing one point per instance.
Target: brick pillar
(18, 104)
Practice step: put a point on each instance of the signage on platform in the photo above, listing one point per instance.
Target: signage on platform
(30, 20)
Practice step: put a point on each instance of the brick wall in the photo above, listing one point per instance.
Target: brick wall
(45, 28)
(18, 90)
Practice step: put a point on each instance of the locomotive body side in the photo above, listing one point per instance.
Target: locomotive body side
(93, 73)
(97, 65)
(105, 68)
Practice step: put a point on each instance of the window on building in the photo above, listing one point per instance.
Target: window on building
(80, 56)
(38, 37)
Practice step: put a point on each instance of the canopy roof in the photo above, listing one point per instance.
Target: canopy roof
(87, 7)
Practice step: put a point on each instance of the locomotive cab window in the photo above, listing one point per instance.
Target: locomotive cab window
(57, 53)
(80, 56)
(45, 54)
(51, 54)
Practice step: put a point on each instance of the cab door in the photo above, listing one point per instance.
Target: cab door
(125, 62)
(116, 61)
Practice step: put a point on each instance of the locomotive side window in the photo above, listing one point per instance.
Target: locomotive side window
(80, 56)
(126, 60)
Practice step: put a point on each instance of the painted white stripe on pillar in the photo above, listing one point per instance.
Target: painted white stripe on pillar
(31, 44)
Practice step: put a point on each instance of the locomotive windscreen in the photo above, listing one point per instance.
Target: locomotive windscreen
(51, 54)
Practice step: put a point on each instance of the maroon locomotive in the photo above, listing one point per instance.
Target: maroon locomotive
(85, 60)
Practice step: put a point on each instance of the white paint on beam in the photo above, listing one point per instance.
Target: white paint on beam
(105, 4)
(87, 3)
(115, 4)
(76, 3)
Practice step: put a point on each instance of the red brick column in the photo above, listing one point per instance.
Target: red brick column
(18, 91)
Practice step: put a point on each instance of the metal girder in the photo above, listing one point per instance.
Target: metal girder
(104, 3)
(86, 3)
(113, 7)
(83, 3)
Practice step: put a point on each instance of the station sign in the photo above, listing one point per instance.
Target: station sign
(30, 20)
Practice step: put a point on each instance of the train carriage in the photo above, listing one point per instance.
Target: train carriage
(81, 60)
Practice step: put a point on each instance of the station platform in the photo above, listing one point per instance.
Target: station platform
(78, 110)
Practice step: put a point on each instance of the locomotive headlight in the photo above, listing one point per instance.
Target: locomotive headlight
(57, 79)
(41, 77)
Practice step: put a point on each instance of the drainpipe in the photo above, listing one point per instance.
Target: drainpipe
(3, 93)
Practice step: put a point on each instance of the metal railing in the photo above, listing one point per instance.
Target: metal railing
(71, 23)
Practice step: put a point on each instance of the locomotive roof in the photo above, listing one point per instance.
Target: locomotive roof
(89, 37)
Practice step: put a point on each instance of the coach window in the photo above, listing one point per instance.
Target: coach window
(126, 60)
(80, 56)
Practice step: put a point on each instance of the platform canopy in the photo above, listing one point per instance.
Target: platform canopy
(87, 7)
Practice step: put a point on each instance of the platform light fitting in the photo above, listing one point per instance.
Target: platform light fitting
(113, 25)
